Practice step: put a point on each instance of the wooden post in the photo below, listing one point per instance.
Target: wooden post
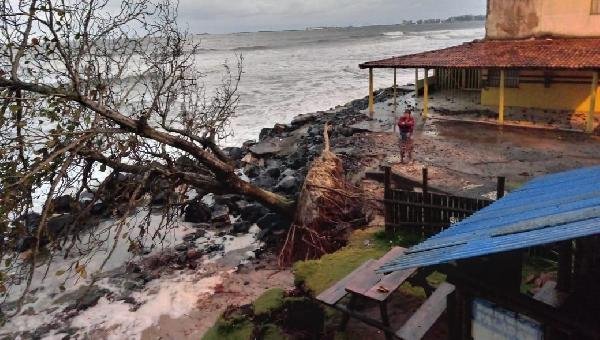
(501, 105)
(589, 123)
(425, 180)
(371, 94)
(426, 95)
(500, 187)
(387, 195)
(565, 266)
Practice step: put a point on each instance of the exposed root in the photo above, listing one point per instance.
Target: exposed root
(327, 205)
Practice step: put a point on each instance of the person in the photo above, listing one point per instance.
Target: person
(406, 126)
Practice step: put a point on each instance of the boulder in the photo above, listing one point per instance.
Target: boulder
(252, 171)
(288, 184)
(272, 221)
(241, 227)
(274, 172)
(197, 212)
(220, 214)
(266, 148)
(64, 204)
(234, 153)
(303, 119)
(253, 211)
(58, 224)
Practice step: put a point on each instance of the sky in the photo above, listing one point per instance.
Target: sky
(223, 16)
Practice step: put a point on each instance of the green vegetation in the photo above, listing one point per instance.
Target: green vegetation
(269, 301)
(225, 329)
(318, 275)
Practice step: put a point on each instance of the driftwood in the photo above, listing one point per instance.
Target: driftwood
(326, 207)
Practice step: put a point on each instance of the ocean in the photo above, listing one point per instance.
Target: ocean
(292, 72)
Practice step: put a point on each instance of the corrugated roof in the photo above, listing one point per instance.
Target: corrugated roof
(548, 209)
(514, 54)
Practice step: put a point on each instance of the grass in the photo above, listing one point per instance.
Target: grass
(318, 275)
(270, 300)
(238, 331)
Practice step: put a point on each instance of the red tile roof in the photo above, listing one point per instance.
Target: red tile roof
(515, 54)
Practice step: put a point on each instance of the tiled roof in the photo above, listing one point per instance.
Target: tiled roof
(515, 54)
(549, 209)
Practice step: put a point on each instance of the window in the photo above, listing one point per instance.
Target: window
(511, 80)
(595, 7)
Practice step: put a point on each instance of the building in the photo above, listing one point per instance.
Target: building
(483, 256)
(539, 54)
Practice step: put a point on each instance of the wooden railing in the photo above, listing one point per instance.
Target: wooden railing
(429, 211)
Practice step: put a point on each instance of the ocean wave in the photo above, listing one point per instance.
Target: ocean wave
(250, 48)
(394, 34)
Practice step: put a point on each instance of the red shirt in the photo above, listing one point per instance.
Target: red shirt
(406, 124)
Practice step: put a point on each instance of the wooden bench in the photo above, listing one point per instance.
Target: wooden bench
(364, 282)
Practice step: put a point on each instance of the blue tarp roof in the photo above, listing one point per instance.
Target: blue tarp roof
(548, 209)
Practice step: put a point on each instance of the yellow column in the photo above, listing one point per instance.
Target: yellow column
(589, 124)
(395, 91)
(426, 94)
(501, 104)
(371, 94)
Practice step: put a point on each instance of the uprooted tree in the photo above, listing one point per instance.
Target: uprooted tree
(93, 89)
(91, 95)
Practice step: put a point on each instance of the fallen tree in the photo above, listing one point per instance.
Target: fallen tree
(327, 206)
(91, 90)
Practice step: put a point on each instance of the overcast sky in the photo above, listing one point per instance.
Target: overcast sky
(222, 16)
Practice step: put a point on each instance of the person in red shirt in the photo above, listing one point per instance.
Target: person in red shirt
(406, 127)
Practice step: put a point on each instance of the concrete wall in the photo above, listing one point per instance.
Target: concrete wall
(573, 93)
(515, 19)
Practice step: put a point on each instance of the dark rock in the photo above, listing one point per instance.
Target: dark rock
(247, 144)
(266, 148)
(220, 213)
(31, 221)
(89, 297)
(201, 228)
(214, 248)
(234, 153)
(272, 221)
(197, 212)
(193, 254)
(181, 247)
(288, 184)
(241, 227)
(58, 224)
(99, 209)
(192, 237)
(303, 119)
(264, 133)
(64, 204)
(252, 171)
(274, 172)
(288, 172)
(185, 162)
(253, 211)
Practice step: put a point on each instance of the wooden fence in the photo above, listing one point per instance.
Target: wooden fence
(432, 212)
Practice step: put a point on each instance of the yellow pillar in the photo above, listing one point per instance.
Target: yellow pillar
(589, 123)
(501, 104)
(371, 94)
(426, 94)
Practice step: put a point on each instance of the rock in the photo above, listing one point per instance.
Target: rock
(214, 248)
(193, 254)
(273, 172)
(201, 228)
(220, 213)
(265, 148)
(241, 227)
(272, 221)
(192, 237)
(288, 172)
(197, 212)
(31, 221)
(181, 247)
(98, 209)
(264, 133)
(64, 204)
(252, 212)
(252, 171)
(58, 224)
(288, 184)
(234, 153)
(303, 119)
